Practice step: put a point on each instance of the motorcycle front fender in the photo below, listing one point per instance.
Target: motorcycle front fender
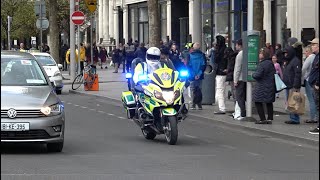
(168, 112)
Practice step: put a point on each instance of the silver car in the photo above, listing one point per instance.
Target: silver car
(30, 109)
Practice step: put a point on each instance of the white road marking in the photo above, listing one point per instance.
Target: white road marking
(110, 114)
(254, 154)
(101, 112)
(277, 115)
(121, 117)
(92, 109)
(228, 146)
(83, 107)
(98, 104)
(189, 136)
(76, 105)
(69, 103)
(62, 101)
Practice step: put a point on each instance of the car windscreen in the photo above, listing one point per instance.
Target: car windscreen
(45, 60)
(21, 72)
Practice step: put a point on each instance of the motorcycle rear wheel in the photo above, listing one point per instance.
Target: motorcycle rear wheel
(171, 131)
(149, 133)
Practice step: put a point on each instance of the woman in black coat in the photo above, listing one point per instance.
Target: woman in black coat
(265, 88)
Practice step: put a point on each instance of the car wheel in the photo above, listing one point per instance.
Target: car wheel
(59, 91)
(55, 147)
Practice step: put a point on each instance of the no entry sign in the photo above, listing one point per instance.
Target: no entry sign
(77, 17)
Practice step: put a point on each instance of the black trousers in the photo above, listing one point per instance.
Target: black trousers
(241, 89)
(260, 110)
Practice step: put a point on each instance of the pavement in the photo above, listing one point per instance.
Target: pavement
(112, 84)
(101, 144)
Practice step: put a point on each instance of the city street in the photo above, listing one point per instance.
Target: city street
(101, 143)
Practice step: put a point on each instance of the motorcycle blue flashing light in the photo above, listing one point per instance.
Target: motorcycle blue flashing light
(143, 77)
(128, 75)
(184, 73)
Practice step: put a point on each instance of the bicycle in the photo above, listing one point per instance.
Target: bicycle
(90, 70)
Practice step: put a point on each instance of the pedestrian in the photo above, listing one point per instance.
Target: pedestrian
(230, 55)
(174, 56)
(63, 52)
(271, 50)
(95, 56)
(306, 69)
(239, 83)
(278, 68)
(211, 53)
(279, 54)
(188, 48)
(164, 58)
(141, 52)
(22, 49)
(82, 56)
(129, 49)
(116, 58)
(103, 56)
(265, 88)
(221, 64)
(46, 48)
(297, 47)
(314, 78)
(196, 64)
(292, 78)
(122, 55)
(88, 53)
(68, 60)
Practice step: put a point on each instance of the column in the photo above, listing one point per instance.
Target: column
(196, 22)
(190, 18)
(116, 25)
(169, 19)
(267, 20)
(125, 23)
(100, 24)
(106, 37)
(111, 24)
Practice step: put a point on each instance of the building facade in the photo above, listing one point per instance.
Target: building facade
(201, 20)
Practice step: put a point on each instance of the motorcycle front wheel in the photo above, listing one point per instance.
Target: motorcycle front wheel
(171, 130)
(149, 133)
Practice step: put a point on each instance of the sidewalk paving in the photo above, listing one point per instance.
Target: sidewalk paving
(112, 84)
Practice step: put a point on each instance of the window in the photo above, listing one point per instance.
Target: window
(207, 24)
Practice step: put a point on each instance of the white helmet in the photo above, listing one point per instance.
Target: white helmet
(153, 54)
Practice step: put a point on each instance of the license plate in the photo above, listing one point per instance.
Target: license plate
(15, 126)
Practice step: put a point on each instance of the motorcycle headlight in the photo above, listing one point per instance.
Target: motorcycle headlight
(52, 110)
(168, 96)
(158, 95)
(57, 73)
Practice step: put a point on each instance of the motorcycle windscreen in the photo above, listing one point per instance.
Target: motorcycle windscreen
(164, 77)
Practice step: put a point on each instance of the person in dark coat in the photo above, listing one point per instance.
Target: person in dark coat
(297, 47)
(103, 56)
(63, 52)
(265, 88)
(141, 51)
(292, 78)
(174, 57)
(221, 64)
(116, 58)
(230, 55)
(279, 54)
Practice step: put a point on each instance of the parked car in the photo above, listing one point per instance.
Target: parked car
(30, 109)
(52, 69)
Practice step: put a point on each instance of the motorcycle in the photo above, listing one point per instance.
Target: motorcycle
(157, 105)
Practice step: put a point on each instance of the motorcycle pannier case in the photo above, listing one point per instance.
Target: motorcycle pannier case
(128, 99)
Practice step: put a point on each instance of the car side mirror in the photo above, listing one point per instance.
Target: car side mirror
(60, 66)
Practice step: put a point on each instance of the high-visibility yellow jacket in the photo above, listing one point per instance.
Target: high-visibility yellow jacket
(82, 53)
(68, 56)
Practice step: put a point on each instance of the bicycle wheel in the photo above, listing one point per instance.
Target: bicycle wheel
(89, 80)
(77, 82)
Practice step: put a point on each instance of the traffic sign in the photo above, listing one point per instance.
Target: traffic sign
(92, 5)
(77, 17)
(40, 6)
(45, 23)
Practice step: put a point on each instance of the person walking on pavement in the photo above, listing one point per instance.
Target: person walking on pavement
(314, 78)
(292, 78)
(122, 57)
(103, 56)
(130, 49)
(197, 65)
(265, 88)
(239, 84)
(174, 56)
(116, 58)
(82, 56)
(63, 52)
(306, 69)
(278, 68)
(230, 55)
(221, 64)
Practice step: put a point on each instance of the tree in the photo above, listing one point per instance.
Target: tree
(154, 23)
(258, 19)
(54, 30)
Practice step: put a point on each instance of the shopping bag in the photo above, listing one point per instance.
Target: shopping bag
(279, 83)
(237, 111)
(111, 63)
(296, 103)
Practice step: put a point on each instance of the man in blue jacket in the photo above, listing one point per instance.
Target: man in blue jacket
(196, 64)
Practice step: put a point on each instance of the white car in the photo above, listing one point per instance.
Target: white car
(52, 69)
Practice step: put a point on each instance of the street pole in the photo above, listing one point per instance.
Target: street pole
(79, 70)
(91, 41)
(72, 43)
(40, 25)
(9, 28)
(249, 84)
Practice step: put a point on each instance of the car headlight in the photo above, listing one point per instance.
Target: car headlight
(52, 110)
(57, 73)
(168, 96)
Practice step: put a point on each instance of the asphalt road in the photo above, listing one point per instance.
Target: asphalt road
(100, 143)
